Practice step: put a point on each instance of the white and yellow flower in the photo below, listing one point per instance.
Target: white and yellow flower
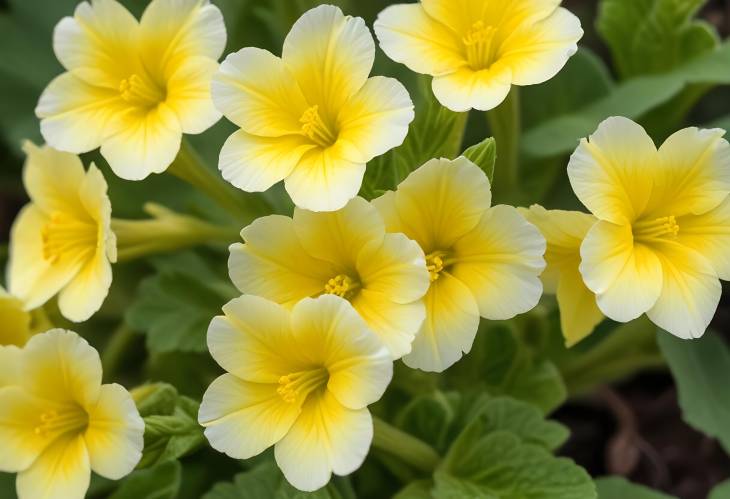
(662, 240)
(564, 232)
(299, 380)
(58, 422)
(132, 87)
(483, 261)
(477, 49)
(346, 253)
(312, 118)
(61, 242)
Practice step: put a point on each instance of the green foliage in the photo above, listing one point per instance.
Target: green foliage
(483, 154)
(721, 491)
(159, 482)
(620, 488)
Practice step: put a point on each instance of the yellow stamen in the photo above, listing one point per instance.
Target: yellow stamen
(479, 45)
(57, 422)
(67, 236)
(315, 128)
(141, 91)
(341, 285)
(302, 383)
(656, 229)
(435, 264)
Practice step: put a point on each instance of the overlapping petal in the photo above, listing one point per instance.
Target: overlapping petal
(62, 470)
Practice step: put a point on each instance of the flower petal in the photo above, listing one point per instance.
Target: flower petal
(9, 364)
(375, 120)
(614, 171)
(16, 323)
(114, 435)
(62, 470)
(500, 261)
(709, 235)
(452, 319)
(327, 437)
(243, 419)
(18, 420)
(467, 89)
(85, 293)
(690, 293)
(579, 312)
(189, 94)
(626, 277)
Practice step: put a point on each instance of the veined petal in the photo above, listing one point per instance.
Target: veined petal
(330, 333)
(388, 210)
(709, 235)
(255, 90)
(467, 89)
(114, 435)
(62, 470)
(94, 198)
(274, 264)
(147, 143)
(441, 201)
(324, 180)
(689, 295)
(626, 277)
(460, 15)
(330, 55)
(500, 261)
(327, 437)
(375, 120)
(9, 364)
(85, 293)
(452, 319)
(18, 420)
(243, 419)
(189, 94)
(613, 172)
(254, 163)
(339, 236)
(407, 34)
(579, 312)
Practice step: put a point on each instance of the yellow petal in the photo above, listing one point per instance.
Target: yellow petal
(18, 420)
(467, 89)
(326, 438)
(274, 264)
(388, 210)
(613, 172)
(709, 235)
(407, 34)
(52, 179)
(626, 277)
(452, 319)
(375, 120)
(330, 56)
(243, 419)
(690, 293)
(330, 333)
(579, 313)
(459, 15)
(500, 261)
(114, 435)
(16, 325)
(339, 236)
(257, 92)
(61, 471)
(189, 94)
(85, 293)
(254, 163)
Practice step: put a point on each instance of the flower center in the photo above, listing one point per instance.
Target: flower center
(435, 263)
(65, 235)
(657, 229)
(315, 128)
(141, 91)
(342, 285)
(480, 47)
(302, 383)
(64, 420)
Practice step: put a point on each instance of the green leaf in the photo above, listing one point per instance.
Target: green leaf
(619, 488)
(700, 369)
(169, 437)
(721, 491)
(653, 36)
(420, 489)
(155, 398)
(159, 482)
(484, 155)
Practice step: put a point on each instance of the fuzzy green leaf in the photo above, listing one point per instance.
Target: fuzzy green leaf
(721, 491)
(159, 482)
(619, 488)
(169, 437)
(484, 155)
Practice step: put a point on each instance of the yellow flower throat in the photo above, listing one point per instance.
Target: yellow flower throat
(141, 91)
(435, 263)
(64, 420)
(480, 46)
(657, 229)
(342, 285)
(67, 236)
(298, 385)
(316, 129)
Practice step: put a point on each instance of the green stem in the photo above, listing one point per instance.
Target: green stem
(189, 167)
(505, 124)
(405, 447)
(116, 349)
(456, 138)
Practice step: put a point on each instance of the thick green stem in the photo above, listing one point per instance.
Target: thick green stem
(456, 138)
(116, 349)
(405, 447)
(244, 207)
(505, 124)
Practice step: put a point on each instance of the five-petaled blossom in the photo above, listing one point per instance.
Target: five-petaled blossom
(312, 117)
(16, 321)
(482, 261)
(299, 380)
(345, 253)
(662, 240)
(133, 87)
(564, 232)
(476, 49)
(62, 240)
(58, 422)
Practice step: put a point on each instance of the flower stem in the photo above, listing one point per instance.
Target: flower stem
(506, 125)
(189, 167)
(456, 138)
(116, 349)
(407, 448)
(165, 231)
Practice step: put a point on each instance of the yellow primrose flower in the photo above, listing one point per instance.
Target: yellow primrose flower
(62, 241)
(663, 233)
(9, 357)
(15, 321)
(564, 232)
(299, 380)
(312, 118)
(477, 49)
(345, 253)
(482, 261)
(132, 87)
(58, 422)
